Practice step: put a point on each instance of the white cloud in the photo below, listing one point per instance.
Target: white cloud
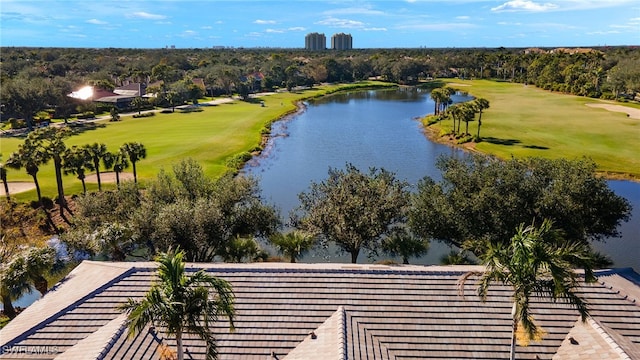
(274, 31)
(509, 23)
(604, 32)
(297, 28)
(264, 22)
(437, 27)
(96, 22)
(341, 23)
(524, 5)
(463, 17)
(146, 15)
(354, 11)
(206, 27)
(375, 29)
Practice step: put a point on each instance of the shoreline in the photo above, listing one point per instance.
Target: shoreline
(433, 134)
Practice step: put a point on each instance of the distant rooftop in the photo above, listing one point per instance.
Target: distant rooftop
(328, 311)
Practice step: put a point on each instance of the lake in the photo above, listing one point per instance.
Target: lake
(379, 129)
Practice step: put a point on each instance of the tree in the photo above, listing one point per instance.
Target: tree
(3, 176)
(181, 304)
(24, 271)
(293, 244)
(97, 152)
(138, 103)
(77, 161)
(241, 249)
(25, 96)
(115, 116)
(29, 157)
(354, 210)
(481, 104)
(404, 244)
(135, 151)
(118, 162)
(536, 262)
(481, 200)
(49, 142)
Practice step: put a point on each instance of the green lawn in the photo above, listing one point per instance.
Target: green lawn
(210, 137)
(526, 121)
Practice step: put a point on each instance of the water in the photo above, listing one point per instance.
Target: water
(379, 129)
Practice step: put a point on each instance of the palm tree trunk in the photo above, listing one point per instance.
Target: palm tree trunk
(479, 123)
(35, 182)
(84, 187)
(135, 175)
(6, 189)
(57, 164)
(118, 179)
(179, 345)
(354, 256)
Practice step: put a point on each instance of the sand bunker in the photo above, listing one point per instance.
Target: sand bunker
(108, 177)
(17, 187)
(458, 84)
(631, 112)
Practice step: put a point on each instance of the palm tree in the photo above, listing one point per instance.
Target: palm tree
(23, 273)
(77, 161)
(535, 265)
(468, 114)
(480, 104)
(182, 304)
(436, 95)
(138, 102)
(135, 151)
(118, 162)
(50, 142)
(239, 249)
(402, 243)
(293, 244)
(3, 176)
(456, 113)
(97, 152)
(30, 158)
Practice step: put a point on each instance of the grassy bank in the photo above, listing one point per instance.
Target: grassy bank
(211, 137)
(525, 121)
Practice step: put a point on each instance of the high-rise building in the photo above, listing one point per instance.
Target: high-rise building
(341, 41)
(315, 41)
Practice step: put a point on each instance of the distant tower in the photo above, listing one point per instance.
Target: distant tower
(341, 41)
(315, 41)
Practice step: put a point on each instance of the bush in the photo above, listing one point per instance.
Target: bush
(143, 115)
(238, 160)
(464, 139)
(17, 123)
(191, 109)
(86, 115)
(166, 111)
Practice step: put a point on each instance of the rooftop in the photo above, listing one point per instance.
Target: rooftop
(328, 311)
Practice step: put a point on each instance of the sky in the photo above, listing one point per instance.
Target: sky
(284, 24)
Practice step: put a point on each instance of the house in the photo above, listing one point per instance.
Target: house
(329, 311)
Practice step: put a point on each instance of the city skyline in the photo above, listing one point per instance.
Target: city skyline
(282, 24)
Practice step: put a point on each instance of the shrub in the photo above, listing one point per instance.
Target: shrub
(143, 115)
(17, 123)
(238, 160)
(86, 115)
(464, 139)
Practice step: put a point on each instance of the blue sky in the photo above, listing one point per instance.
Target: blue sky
(373, 24)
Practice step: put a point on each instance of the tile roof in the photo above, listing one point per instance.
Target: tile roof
(355, 312)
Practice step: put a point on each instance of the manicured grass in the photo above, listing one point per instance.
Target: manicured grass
(210, 137)
(525, 121)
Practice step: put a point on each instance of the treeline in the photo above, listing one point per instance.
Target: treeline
(479, 205)
(36, 79)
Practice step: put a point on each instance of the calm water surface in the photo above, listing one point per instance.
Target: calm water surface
(379, 129)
